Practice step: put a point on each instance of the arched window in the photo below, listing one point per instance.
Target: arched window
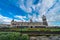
(31, 27)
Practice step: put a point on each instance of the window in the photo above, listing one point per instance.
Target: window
(31, 27)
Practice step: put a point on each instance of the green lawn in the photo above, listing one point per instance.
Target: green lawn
(32, 29)
(35, 29)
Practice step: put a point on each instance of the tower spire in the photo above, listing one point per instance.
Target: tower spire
(12, 20)
(31, 19)
(44, 20)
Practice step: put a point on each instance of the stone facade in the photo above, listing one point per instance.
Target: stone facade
(30, 24)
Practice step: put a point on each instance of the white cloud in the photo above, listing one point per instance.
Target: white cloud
(35, 18)
(5, 20)
(17, 20)
(42, 7)
(46, 4)
(26, 6)
(22, 18)
(54, 15)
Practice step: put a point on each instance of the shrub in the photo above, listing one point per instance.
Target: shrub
(12, 36)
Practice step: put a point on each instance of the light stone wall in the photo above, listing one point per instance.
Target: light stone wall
(28, 23)
(15, 24)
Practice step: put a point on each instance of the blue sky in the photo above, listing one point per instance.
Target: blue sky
(23, 10)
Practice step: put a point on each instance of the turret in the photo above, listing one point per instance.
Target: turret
(44, 20)
(12, 22)
(30, 20)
